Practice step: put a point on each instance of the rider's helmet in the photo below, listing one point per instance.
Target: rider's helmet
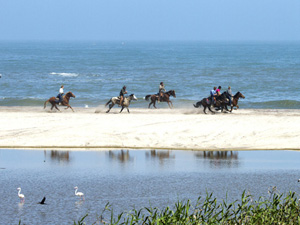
(124, 87)
(219, 87)
(161, 83)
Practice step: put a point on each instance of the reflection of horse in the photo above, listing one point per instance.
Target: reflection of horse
(122, 156)
(164, 98)
(206, 103)
(116, 100)
(60, 155)
(65, 102)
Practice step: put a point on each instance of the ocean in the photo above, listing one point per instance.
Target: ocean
(266, 73)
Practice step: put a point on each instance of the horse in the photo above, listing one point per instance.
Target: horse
(235, 101)
(164, 98)
(116, 100)
(205, 102)
(65, 102)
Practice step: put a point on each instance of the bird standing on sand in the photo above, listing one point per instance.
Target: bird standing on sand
(80, 194)
(21, 196)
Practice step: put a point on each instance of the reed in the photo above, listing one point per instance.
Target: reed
(276, 209)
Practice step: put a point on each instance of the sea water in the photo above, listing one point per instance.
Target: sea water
(266, 73)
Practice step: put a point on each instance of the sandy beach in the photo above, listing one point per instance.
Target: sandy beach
(92, 128)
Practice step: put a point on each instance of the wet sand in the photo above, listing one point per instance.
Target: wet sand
(190, 129)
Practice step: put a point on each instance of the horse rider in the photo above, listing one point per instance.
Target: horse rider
(218, 91)
(213, 95)
(229, 95)
(161, 91)
(122, 93)
(60, 94)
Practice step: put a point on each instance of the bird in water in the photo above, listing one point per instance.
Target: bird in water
(21, 196)
(80, 194)
(43, 201)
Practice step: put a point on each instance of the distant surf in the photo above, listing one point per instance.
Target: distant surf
(281, 104)
(65, 74)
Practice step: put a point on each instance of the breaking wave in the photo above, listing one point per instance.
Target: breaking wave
(65, 74)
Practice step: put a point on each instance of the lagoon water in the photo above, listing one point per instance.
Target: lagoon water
(267, 73)
(135, 178)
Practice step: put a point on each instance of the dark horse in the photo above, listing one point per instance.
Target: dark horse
(235, 100)
(165, 98)
(65, 102)
(221, 102)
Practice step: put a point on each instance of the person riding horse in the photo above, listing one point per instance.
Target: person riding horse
(122, 93)
(213, 95)
(161, 91)
(60, 94)
(229, 95)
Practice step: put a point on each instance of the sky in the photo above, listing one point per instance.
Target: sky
(146, 20)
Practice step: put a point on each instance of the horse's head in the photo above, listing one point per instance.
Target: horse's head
(172, 92)
(133, 97)
(70, 94)
(240, 95)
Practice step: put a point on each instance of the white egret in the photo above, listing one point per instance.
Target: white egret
(21, 196)
(80, 194)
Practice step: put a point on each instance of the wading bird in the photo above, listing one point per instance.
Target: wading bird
(21, 196)
(80, 194)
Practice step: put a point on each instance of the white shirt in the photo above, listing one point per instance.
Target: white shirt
(61, 91)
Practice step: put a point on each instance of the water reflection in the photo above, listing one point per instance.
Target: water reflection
(123, 156)
(59, 156)
(20, 205)
(161, 155)
(219, 159)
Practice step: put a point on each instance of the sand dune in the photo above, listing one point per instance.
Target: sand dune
(92, 128)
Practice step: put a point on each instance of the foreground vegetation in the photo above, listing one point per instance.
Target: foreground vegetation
(277, 209)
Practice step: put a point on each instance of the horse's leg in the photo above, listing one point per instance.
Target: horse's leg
(210, 109)
(169, 104)
(231, 108)
(222, 107)
(110, 106)
(154, 104)
(204, 108)
(122, 109)
(70, 107)
(226, 107)
(56, 107)
(127, 109)
(149, 105)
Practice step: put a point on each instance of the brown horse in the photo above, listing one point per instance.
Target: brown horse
(164, 98)
(65, 102)
(235, 100)
(205, 102)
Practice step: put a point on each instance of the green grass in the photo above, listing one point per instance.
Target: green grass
(277, 209)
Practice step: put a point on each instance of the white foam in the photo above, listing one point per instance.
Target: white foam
(65, 74)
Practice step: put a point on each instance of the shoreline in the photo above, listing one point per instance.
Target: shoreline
(25, 127)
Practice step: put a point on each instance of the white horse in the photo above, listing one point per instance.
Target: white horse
(116, 100)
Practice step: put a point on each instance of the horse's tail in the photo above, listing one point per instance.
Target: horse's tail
(46, 103)
(147, 97)
(198, 104)
(108, 102)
